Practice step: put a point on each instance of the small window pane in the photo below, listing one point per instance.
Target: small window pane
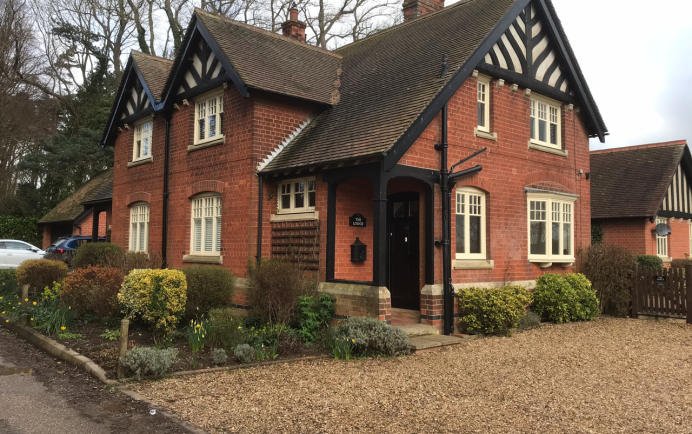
(542, 130)
(538, 238)
(400, 209)
(460, 233)
(556, 238)
(208, 234)
(474, 234)
(197, 235)
(212, 126)
(311, 199)
(553, 134)
(481, 114)
(285, 201)
(567, 239)
(533, 128)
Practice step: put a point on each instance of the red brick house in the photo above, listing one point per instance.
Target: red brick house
(637, 187)
(253, 144)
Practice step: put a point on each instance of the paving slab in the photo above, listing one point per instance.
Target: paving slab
(419, 329)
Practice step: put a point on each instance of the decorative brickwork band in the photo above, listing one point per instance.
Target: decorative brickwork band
(205, 186)
(297, 242)
(139, 196)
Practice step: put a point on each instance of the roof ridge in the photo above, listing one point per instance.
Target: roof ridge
(639, 147)
(160, 59)
(268, 33)
(400, 25)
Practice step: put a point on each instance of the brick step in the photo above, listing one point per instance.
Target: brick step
(406, 313)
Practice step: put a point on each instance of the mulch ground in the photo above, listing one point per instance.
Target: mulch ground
(608, 376)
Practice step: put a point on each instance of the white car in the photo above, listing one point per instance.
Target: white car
(14, 252)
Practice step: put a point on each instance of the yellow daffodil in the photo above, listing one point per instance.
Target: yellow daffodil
(70, 307)
(32, 319)
(26, 299)
(34, 303)
(239, 327)
(3, 312)
(202, 335)
(1, 297)
(7, 320)
(62, 328)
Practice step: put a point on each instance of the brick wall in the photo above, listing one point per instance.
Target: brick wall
(46, 236)
(637, 234)
(354, 196)
(86, 225)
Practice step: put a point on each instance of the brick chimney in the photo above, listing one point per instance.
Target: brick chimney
(293, 28)
(417, 8)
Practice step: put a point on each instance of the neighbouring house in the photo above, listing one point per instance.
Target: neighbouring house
(253, 144)
(637, 187)
(86, 212)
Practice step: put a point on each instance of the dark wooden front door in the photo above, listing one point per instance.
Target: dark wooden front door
(403, 211)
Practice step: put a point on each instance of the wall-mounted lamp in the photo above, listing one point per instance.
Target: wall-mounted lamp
(358, 251)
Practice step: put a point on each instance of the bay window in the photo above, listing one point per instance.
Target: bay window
(470, 224)
(297, 195)
(206, 225)
(209, 118)
(139, 227)
(551, 227)
(545, 122)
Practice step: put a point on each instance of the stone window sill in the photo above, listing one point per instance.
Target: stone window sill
(209, 144)
(543, 263)
(535, 147)
(203, 259)
(299, 217)
(485, 135)
(140, 162)
(473, 264)
(666, 260)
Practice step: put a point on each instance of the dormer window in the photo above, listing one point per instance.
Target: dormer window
(142, 141)
(209, 118)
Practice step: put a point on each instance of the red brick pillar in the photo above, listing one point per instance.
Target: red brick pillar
(432, 306)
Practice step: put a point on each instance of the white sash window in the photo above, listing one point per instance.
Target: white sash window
(206, 225)
(551, 227)
(470, 224)
(209, 118)
(139, 227)
(142, 141)
(545, 122)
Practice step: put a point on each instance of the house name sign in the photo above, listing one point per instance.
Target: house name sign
(358, 220)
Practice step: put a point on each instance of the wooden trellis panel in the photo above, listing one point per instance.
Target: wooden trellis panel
(298, 242)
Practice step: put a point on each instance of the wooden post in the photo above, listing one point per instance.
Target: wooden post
(23, 320)
(635, 293)
(688, 292)
(124, 330)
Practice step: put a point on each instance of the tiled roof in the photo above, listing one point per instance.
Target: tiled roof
(155, 71)
(70, 208)
(388, 81)
(631, 182)
(268, 61)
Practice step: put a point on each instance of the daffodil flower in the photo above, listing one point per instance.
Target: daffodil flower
(26, 299)
(62, 328)
(34, 303)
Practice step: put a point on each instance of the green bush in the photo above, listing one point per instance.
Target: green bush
(649, 261)
(8, 283)
(142, 361)
(680, 263)
(93, 289)
(40, 273)
(98, 254)
(312, 315)
(20, 228)
(564, 298)
(156, 296)
(207, 288)
(136, 261)
(492, 310)
(274, 288)
(225, 328)
(372, 337)
(529, 321)
(245, 353)
(610, 268)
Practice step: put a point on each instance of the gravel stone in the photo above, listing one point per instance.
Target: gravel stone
(607, 376)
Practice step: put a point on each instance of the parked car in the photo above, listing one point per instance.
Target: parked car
(66, 246)
(55, 243)
(14, 252)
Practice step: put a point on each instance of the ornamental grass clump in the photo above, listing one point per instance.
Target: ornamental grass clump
(156, 296)
(492, 310)
(565, 297)
(142, 361)
(372, 337)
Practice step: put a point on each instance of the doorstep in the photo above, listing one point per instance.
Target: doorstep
(418, 343)
(419, 329)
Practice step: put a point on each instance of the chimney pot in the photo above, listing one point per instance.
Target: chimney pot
(293, 28)
(417, 8)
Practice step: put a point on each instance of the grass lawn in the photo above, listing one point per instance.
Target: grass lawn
(608, 376)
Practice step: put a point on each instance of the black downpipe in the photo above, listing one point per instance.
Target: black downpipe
(259, 220)
(166, 157)
(446, 233)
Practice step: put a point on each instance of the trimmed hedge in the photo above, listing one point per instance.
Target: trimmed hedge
(98, 255)
(564, 298)
(208, 287)
(650, 261)
(40, 273)
(680, 263)
(93, 289)
(610, 268)
(492, 310)
(20, 228)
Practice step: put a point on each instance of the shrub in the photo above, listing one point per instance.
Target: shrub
(98, 254)
(156, 296)
(20, 228)
(245, 353)
(371, 337)
(40, 273)
(564, 298)
(218, 356)
(649, 261)
(312, 315)
(529, 321)
(93, 289)
(142, 361)
(136, 261)
(680, 263)
(207, 287)
(610, 269)
(289, 343)
(274, 288)
(492, 310)
(596, 234)
(8, 283)
(225, 328)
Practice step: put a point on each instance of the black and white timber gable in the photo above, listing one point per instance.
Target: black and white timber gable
(137, 102)
(678, 198)
(204, 67)
(527, 48)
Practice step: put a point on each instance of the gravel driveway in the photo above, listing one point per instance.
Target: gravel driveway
(608, 376)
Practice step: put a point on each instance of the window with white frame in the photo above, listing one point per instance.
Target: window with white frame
(209, 118)
(206, 225)
(470, 224)
(545, 122)
(483, 104)
(297, 195)
(551, 227)
(142, 143)
(139, 227)
(662, 242)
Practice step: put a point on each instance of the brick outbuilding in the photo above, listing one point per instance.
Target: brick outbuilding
(252, 144)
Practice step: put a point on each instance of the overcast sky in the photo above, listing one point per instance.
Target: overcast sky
(636, 56)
